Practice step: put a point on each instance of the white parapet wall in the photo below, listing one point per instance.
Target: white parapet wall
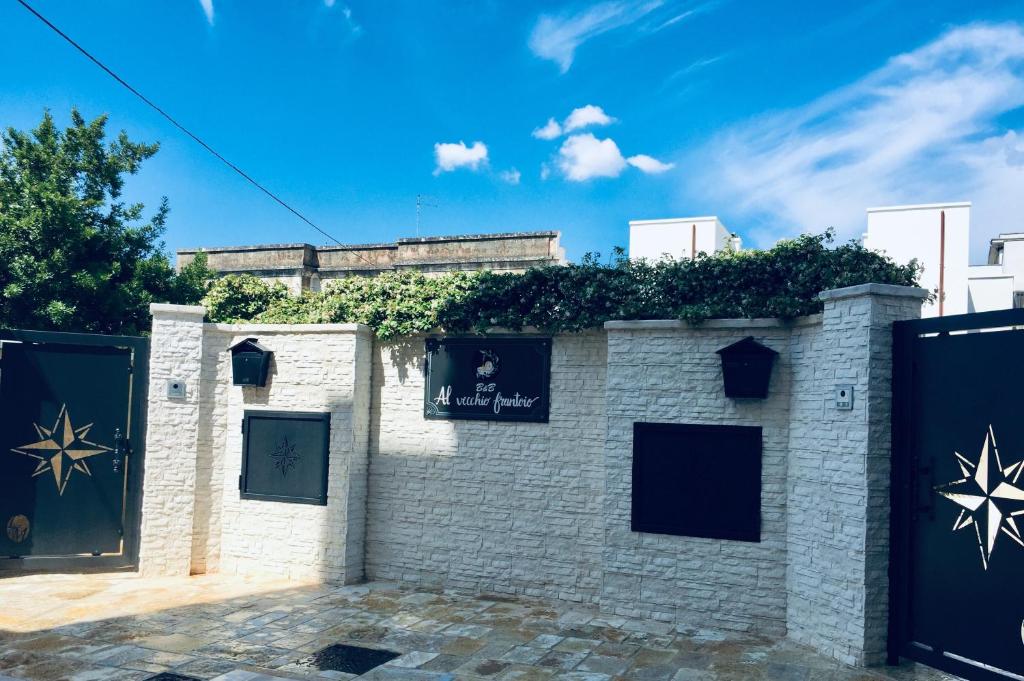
(989, 288)
(678, 238)
(543, 509)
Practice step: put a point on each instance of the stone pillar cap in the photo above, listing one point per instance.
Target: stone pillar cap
(167, 308)
(890, 290)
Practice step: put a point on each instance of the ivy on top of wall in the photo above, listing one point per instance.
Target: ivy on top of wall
(783, 281)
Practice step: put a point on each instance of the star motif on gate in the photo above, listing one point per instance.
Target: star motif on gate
(62, 449)
(284, 456)
(989, 496)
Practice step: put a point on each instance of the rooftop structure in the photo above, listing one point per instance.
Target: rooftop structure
(679, 238)
(304, 267)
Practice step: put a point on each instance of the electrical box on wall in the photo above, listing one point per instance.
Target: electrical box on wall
(844, 397)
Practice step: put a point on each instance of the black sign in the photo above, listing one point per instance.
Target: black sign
(492, 379)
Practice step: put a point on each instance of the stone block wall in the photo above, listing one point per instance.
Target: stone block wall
(543, 509)
(668, 372)
(312, 370)
(499, 507)
(315, 368)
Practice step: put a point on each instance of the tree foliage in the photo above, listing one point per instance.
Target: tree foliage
(783, 281)
(74, 254)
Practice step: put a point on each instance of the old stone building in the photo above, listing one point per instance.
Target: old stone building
(304, 267)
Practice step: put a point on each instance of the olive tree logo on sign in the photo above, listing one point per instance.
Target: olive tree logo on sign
(488, 364)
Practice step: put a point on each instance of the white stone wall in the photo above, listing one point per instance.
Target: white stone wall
(489, 506)
(544, 509)
(321, 369)
(668, 372)
(214, 391)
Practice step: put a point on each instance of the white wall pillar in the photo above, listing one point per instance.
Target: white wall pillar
(172, 432)
(838, 477)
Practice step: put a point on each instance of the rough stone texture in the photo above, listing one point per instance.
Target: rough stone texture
(489, 506)
(172, 428)
(838, 509)
(214, 389)
(311, 371)
(673, 375)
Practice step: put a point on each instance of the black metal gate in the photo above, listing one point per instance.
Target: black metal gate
(957, 573)
(71, 436)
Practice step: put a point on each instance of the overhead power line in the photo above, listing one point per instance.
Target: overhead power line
(181, 127)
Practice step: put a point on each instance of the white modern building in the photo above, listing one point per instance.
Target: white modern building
(999, 283)
(679, 238)
(938, 236)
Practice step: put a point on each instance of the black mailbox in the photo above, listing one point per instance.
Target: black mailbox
(747, 368)
(250, 363)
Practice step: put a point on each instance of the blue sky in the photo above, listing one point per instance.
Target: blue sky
(777, 117)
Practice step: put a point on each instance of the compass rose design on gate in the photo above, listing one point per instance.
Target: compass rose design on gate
(284, 456)
(61, 450)
(990, 497)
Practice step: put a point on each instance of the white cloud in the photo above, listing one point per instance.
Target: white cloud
(583, 157)
(545, 171)
(649, 164)
(207, 6)
(453, 155)
(548, 131)
(512, 176)
(580, 117)
(584, 116)
(329, 3)
(925, 127)
(557, 37)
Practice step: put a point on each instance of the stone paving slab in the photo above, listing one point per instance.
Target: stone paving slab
(122, 627)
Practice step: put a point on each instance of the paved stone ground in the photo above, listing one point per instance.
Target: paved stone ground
(121, 627)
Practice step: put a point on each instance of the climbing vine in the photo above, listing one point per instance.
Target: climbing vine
(783, 281)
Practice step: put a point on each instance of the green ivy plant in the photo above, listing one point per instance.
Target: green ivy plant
(783, 281)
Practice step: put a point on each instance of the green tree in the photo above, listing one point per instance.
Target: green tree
(74, 255)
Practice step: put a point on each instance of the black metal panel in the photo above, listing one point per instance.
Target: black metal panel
(70, 449)
(958, 495)
(697, 481)
(487, 378)
(285, 456)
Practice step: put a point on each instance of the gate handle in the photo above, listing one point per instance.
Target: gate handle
(929, 505)
(118, 440)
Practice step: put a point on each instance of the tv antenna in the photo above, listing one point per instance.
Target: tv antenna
(423, 201)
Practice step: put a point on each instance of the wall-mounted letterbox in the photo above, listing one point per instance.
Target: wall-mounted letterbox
(747, 368)
(250, 363)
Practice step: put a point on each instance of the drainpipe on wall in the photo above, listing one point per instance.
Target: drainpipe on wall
(942, 260)
(693, 241)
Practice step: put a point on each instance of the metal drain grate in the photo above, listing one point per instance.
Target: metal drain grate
(170, 676)
(349, 659)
